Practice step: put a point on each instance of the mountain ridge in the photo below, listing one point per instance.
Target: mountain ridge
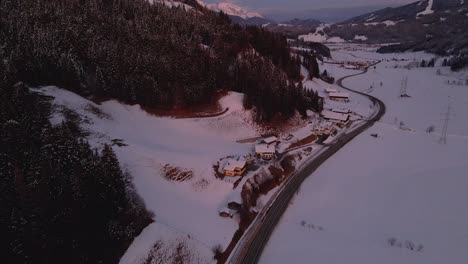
(231, 9)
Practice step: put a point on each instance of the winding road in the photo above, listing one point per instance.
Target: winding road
(250, 247)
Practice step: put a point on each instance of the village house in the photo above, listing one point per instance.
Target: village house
(265, 151)
(235, 167)
(329, 115)
(339, 97)
(355, 65)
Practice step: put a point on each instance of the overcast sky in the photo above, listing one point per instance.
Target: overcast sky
(286, 9)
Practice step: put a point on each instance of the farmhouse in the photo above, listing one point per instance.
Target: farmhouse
(340, 97)
(265, 151)
(235, 167)
(329, 115)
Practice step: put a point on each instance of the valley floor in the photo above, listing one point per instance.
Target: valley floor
(399, 197)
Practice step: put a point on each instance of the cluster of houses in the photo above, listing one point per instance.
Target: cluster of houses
(355, 65)
(324, 128)
(264, 149)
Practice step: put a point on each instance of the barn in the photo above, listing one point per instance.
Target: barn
(329, 115)
(339, 97)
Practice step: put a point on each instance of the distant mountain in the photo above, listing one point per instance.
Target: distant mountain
(304, 22)
(231, 9)
(412, 11)
(428, 21)
(436, 26)
(295, 27)
(256, 21)
(238, 15)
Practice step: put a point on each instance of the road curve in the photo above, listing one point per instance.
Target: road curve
(255, 238)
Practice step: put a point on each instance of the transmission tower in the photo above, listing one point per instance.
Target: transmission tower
(443, 136)
(403, 88)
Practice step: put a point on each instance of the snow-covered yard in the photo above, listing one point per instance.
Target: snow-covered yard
(399, 197)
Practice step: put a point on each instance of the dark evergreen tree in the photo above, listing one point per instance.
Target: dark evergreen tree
(423, 63)
(61, 201)
(445, 63)
(431, 63)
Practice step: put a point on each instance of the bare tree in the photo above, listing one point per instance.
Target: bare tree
(420, 248)
(430, 129)
(392, 241)
(409, 245)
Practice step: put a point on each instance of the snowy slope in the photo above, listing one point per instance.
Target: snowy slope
(231, 9)
(428, 9)
(189, 208)
(320, 36)
(171, 4)
(403, 184)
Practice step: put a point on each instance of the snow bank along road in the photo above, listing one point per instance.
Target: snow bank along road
(251, 245)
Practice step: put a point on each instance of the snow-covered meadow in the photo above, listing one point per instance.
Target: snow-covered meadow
(399, 197)
(184, 211)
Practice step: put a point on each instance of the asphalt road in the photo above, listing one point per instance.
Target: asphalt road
(256, 237)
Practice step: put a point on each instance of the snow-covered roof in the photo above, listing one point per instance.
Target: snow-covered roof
(340, 95)
(270, 140)
(340, 110)
(264, 148)
(335, 116)
(232, 164)
(331, 90)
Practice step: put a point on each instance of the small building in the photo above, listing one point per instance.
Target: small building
(235, 167)
(340, 97)
(321, 130)
(225, 212)
(236, 206)
(270, 140)
(341, 110)
(265, 151)
(329, 115)
(331, 90)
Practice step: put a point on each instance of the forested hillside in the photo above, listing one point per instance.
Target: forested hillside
(61, 200)
(65, 202)
(433, 26)
(145, 53)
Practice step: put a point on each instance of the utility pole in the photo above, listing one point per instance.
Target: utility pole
(443, 136)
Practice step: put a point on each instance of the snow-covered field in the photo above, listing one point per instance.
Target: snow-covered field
(184, 211)
(397, 198)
